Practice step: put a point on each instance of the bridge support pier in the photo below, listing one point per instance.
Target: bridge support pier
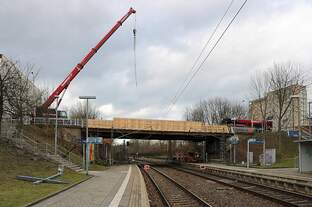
(222, 148)
(204, 151)
(170, 150)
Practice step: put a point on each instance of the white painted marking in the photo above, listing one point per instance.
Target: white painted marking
(117, 198)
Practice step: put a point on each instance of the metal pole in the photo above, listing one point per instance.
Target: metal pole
(264, 132)
(87, 140)
(83, 156)
(55, 133)
(247, 153)
(309, 119)
(230, 153)
(234, 154)
(299, 126)
(204, 152)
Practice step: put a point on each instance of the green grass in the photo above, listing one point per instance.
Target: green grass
(97, 167)
(285, 163)
(15, 192)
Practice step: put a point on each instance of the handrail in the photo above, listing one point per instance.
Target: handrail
(49, 149)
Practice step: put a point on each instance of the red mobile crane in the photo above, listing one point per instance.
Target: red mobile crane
(44, 109)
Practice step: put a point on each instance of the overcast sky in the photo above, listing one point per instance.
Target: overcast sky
(56, 35)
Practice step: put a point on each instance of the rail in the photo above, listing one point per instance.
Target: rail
(177, 197)
(282, 196)
(161, 194)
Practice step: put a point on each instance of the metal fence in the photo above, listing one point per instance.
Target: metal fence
(46, 121)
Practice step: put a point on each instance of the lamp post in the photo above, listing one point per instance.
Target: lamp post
(248, 157)
(87, 132)
(309, 119)
(299, 127)
(55, 132)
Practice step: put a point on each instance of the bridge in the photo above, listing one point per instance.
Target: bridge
(213, 136)
(156, 129)
(127, 128)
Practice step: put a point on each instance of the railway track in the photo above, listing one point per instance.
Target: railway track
(280, 196)
(172, 193)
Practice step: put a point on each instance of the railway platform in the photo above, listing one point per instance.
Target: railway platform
(117, 186)
(287, 173)
(285, 178)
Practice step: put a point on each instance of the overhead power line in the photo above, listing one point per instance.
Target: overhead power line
(209, 53)
(201, 52)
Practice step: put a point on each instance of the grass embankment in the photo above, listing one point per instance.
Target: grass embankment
(15, 192)
(285, 163)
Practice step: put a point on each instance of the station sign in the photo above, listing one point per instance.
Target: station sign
(234, 139)
(243, 130)
(255, 141)
(293, 133)
(93, 140)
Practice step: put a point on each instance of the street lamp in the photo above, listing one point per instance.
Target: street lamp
(87, 133)
(248, 156)
(299, 127)
(55, 133)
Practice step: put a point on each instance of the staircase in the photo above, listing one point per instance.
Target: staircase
(64, 162)
(305, 132)
(44, 150)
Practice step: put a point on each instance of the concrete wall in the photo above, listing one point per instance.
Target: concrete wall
(306, 156)
(285, 146)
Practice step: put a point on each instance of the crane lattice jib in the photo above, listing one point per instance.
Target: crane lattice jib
(84, 61)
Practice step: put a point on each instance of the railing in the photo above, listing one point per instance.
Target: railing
(46, 121)
(20, 139)
(47, 149)
(60, 122)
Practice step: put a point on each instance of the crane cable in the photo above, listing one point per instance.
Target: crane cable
(209, 53)
(134, 52)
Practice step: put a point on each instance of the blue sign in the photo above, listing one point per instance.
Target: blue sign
(293, 133)
(234, 140)
(257, 142)
(93, 140)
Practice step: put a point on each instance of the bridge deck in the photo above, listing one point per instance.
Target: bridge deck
(158, 126)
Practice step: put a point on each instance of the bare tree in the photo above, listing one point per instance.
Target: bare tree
(273, 90)
(285, 80)
(214, 110)
(260, 87)
(200, 112)
(22, 95)
(7, 74)
(79, 111)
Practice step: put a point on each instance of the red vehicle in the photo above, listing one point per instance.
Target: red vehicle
(61, 89)
(265, 124)
(187, 157)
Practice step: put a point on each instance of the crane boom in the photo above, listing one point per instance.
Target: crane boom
(63, 86)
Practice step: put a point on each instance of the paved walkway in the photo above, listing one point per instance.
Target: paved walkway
(117, 186)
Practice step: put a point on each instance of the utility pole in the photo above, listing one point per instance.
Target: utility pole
(56, 116)
(309, 119)
(264, 133)
(299, 127)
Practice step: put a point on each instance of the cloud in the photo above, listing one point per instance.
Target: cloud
(56, 35)
(107, 110)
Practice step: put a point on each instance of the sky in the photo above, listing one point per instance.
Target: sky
(55, 35)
